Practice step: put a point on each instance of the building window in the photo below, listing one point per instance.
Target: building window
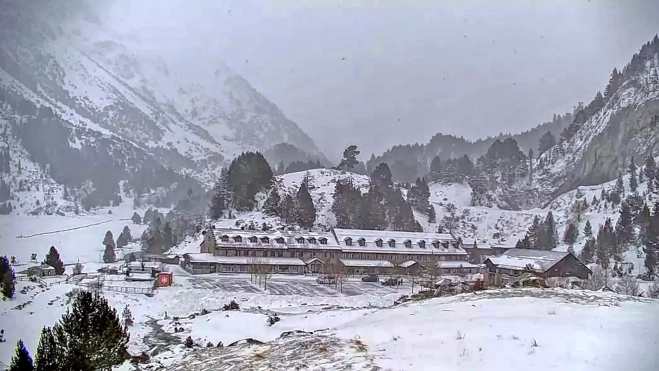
(435, 244)
(237, 239)
(253, 239)
(272, 254)
(392, 243)
(361, 242)
(280, 254)
(311, 240)
(323, 241)
(445, 244)
(265, 240)
(378, 242)
(300, 240)
(422, 244)
(225, 238)
(280, 240)
(348, 241)
(408, 243)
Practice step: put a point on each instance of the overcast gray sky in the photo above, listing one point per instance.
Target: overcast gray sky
(380, 73)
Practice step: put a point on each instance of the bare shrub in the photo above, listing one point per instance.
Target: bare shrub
(627, 285)
(653, 289)
(598, 280)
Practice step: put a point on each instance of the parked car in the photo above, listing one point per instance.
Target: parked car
(370, 278)
(326, 279)
(392, 282)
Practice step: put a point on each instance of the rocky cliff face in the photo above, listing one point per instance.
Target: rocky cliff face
(601, 149)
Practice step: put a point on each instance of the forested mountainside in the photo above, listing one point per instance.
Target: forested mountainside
(87, 106)
(407, 162)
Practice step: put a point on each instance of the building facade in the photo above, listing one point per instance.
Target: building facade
(350, 251)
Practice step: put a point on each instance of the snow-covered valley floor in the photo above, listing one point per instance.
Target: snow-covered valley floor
(355, 329)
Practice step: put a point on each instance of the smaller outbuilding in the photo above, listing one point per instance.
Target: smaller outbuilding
(545, 264)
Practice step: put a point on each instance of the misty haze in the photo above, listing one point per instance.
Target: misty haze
(329, 185)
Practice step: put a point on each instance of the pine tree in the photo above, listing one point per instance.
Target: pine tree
(547, 141)
(137, 219)
(90, 336)
(127, 316)
(349, 160)
(620, 187)
(288, 209)
(624, 230)
(435, 169)
(381, 176)
(218, 202)
(46, 355)
(432, 215)
(651, 246)
(109, 256)
(8, 279)
(21, 361)
(650, 172)
(109, 239)
(633, 182)
(248, 175)
(588, 229)
(306, 211)
(124, 237)
(168, 240)
(588, 251)
(571, 234)
(271, 205)
(550, 238)
(53, 259)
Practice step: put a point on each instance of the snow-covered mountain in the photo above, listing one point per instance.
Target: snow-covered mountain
(189, 113)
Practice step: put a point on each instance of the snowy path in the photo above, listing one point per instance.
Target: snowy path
(68, 229)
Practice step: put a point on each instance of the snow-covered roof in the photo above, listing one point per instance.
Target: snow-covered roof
(395, 242)
(274, 239)
(518, 259)
(455, 264)
(366, 263)
(313, 260)
(242, 260)
(407, 264)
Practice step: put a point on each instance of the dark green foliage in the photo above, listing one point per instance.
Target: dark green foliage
(418, 195)
(381, 176)
(7, 278)
(109, 239)
(349, 159)
(435, 169)
(432, 215)
(571, 234)
(46, 355)
(221, 196)
(606, 244)
(348, 204)
(109, 255)
(588, 229)
(547, 141)
(248, 175)
(168, 240)
(588, 251)
(137, 219)
(90, 336)
(399, 212)
(297, 166)
(650, 239)
(633, 181)
(124, 237)
(306, 211)
(624, 230)
(21, 361)
(53, 259)
(288, 209)
(271, 204)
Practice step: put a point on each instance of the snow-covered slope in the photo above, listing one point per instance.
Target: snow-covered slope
(190, 113)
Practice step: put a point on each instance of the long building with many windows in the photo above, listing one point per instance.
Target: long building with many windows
(351, 251)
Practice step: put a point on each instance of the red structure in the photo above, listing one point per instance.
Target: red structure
(165, 279)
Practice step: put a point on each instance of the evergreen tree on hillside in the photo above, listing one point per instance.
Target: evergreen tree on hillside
(549, 235)
(373, 215)
(571, 234)
(46, 355)
(588, 229)
(651, 246)
(349, 160)
(124, 237)
(168, 239)
(271, 204)
(306, 211)
(21, 361)
(148, 216)
(633, 181)
(288, 209)
(381, 176)
(620, 186)
(137, 219)
(588, 251)
(90, 336)
(624, 230)
(606, 244)
(109, 256)
(547, 141)
(435, 169)
(650, 172)
(248, 175)
(218, 201)
(7, 278)
(432, 215)
(109, 239)
(53, 259)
